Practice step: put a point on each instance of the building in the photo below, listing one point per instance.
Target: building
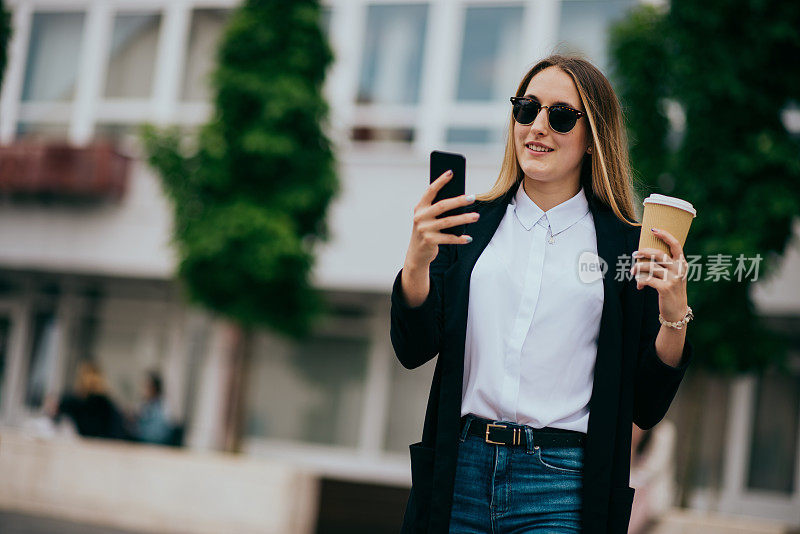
(95, 278)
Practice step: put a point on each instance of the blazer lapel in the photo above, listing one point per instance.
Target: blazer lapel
(610, 241)
(482, 231)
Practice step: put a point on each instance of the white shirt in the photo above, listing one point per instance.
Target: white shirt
(533, 320)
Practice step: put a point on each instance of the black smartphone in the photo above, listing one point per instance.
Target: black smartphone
(456, 186)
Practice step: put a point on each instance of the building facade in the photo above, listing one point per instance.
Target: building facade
(95, 280)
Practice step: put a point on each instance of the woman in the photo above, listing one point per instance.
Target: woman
(542, 366)
(90, 408)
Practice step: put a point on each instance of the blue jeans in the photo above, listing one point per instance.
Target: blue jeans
(515, 489)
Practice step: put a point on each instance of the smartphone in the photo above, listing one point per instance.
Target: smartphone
(456, 186)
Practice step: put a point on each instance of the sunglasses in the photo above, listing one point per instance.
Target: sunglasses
(562, 118)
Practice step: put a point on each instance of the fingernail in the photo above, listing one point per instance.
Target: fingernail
(449, 173)
(635, 254)
(468, 239)
(653, 230)
(469, 198)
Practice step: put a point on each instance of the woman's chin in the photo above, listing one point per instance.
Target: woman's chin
(537, 172)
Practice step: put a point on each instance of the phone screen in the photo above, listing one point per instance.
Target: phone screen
(456, 186)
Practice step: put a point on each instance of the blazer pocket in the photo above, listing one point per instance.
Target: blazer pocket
(419, 508)
(620, 510)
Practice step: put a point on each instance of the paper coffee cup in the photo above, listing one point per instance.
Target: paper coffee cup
(667, 213)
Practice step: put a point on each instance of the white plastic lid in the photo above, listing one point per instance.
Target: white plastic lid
(655, 198)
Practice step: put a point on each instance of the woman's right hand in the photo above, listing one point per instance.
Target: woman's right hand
(426, 235)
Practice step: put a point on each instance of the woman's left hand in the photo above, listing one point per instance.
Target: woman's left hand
(668, 273)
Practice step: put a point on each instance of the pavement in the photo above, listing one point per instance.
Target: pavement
(16, 523)
(680, 521)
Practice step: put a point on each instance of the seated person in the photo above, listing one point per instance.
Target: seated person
(152, 424)
(89, 407)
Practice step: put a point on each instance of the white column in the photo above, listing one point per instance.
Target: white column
(94, 52)
(175, 369)
(15, 71)
(539, 30)
(208, 424)
(443, 38)
(737, 450)
(68, 312)
(170, 59)
(18, 351)
(375, 406)
(347, 27)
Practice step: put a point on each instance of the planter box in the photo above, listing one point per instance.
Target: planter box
(59, 171)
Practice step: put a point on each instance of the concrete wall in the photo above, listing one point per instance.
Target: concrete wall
(154, 489)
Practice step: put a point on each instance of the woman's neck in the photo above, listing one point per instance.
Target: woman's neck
(549, 195)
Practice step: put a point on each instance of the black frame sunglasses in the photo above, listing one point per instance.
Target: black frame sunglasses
(562, 119)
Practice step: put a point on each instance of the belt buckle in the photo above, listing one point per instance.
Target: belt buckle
(488, 428)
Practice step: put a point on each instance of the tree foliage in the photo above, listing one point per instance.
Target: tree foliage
(250, 197)
(728, 65)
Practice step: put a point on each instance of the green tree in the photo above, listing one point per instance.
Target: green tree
(724, 63)
(251, 195)
(5, 35)
(727, 64)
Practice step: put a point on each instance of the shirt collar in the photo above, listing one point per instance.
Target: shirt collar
(559, 217)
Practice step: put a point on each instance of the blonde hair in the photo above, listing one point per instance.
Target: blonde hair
(608, 176)
(90, 379)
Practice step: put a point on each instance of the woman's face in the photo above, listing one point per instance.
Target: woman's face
(548, 87)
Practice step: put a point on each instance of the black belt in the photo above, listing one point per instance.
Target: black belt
(504, 433)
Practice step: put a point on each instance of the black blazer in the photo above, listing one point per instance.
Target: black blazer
(631, 383)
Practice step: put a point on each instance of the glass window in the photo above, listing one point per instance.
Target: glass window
(325, 20)
(773, 450)
(311, 391)
(393, 48)
(5, 337)
(583, 27)
(489, 53)
(42, 131)
(206, 31)
(357, 507)
(372, 134)
(198, 334)
(407, 402)
(130, 337)
(114, 132)
(474, 135)
(42, 358)
(133, 53)
(53, 52)
(708, 463)
(123, 136)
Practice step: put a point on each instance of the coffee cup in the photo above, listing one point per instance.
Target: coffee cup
(666, 213)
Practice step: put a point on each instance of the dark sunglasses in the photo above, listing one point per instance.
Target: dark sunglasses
(562, 118)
